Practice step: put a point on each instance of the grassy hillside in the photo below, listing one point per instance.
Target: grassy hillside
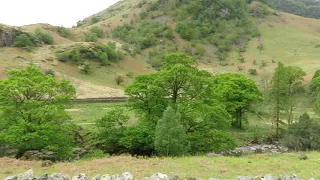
(284, 37)
(204, 167)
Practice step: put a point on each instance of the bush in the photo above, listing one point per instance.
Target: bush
(130, 74)
(91, 37)
(50, 72)
(95, 19)
(95, 154)
(119, 79)
(253, 72)
(64, 32)
(143, 14)
(86, 68)
(63, 57)
(303, 135)
(44, 36)
(169, 134)
(99, 32)
(23, 41)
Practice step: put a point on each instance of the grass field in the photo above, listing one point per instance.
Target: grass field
(220, 167)
(85, 114)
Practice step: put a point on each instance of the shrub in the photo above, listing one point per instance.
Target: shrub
(86, 68)
(97, 153)
(125, 47)
(169, 134)
(63, 57)
(303, 135)
(44, 36)
(255, 62)
(91, 37)
(99, 32)
(50, 72)
(252, 71)
(64, 32)
(130, 74)
(241, 58)
(143, 14)
(95, 19)
(23, 41)
(119, 79)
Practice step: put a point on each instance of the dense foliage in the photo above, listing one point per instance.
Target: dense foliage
(32, 112)
(306, 8)
(304, 134)
(98, 52)
(222, 23)
(169, 134)
(27, 41)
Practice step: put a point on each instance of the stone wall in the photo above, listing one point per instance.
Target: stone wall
(28, 175)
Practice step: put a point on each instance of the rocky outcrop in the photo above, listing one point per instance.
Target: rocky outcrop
(28, 175)
(252, 149)
(8, 36)
(38, 155)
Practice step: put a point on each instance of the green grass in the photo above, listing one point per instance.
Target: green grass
(85, 114)
(288, 44)
(204, 167)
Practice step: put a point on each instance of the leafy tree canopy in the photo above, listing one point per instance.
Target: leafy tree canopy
(33, 115)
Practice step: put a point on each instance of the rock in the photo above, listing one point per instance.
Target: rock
(192, 178)
(58, 176)
(303, 157)
(12, 178)
(214, 179)
(269, 177)
(8, 36)
(26, 175)
(106, 177)
(213, 155)
(38, 155)
(312, 179)
(81, 176)
(146, 178)
(44, 177)
(127, 176)
(159, 176)
(46, 163)
(247, 178)
(97, 177)
(289, 177)
(174, 177)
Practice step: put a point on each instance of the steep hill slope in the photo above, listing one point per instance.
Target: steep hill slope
(284, 37)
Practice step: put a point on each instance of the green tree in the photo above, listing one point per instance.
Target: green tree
(238, 93)
(33, 112)
(278, 96)
(295, 89)
(184, 88)
(303, 135)
(169, 134)
(111, 129)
